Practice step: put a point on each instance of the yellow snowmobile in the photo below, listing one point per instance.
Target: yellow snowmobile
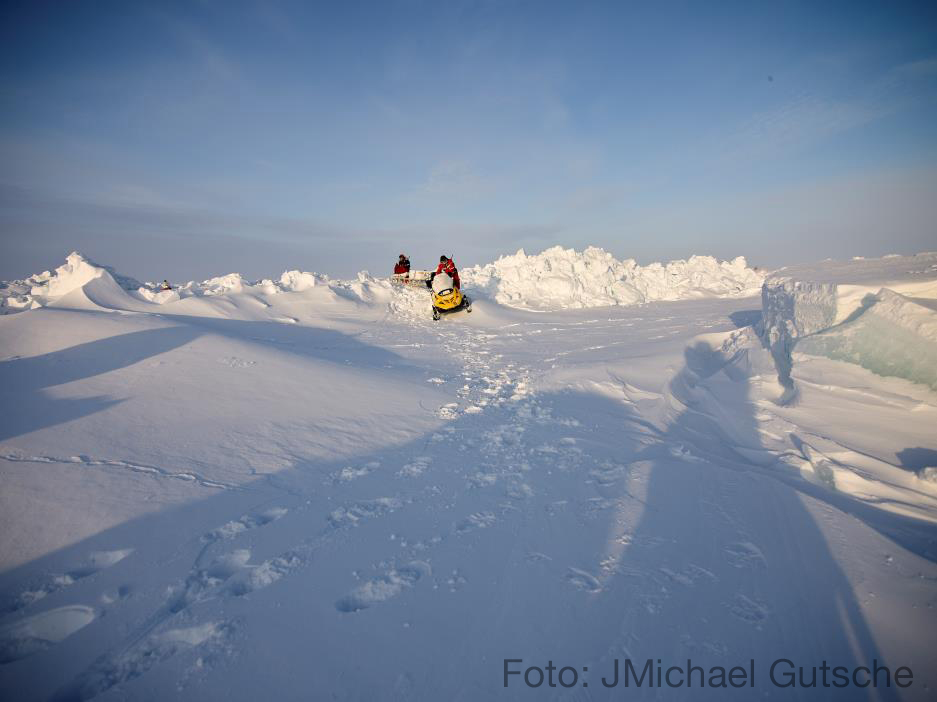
(446, 297)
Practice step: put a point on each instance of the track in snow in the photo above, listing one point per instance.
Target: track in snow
(580, 499)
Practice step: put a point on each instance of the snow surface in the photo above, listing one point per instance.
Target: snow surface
(307, 489)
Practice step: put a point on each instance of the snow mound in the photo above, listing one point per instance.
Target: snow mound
(553, 279)
(877, 313)
(81, 283)
(297, 281)
(233, 282)
(560, 278)
(78, 277)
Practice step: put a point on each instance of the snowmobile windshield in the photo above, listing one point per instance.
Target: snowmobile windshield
(441, 282)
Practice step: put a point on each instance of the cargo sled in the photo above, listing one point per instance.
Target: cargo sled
(417, 279)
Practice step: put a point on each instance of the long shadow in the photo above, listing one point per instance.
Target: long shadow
(176, 537)
(745, 318)
(917, 458)
(747, 572)
(311, 342)
(173, 548)
(707, 558)
(639, 545)
(24, 381)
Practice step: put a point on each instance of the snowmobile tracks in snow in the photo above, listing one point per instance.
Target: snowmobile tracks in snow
(88, 462)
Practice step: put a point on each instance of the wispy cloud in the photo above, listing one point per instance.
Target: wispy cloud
(206, 56)
(808, 118)
(803, 121)
(143, 212)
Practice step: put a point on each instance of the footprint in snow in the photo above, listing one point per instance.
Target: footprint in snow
(689, 576)
(608, 473)
(42, 631)
(209, 638)
(449, 411)
(251, 578)
(416, 467)
(96, 562)
(519, 491)
(481, 479)
(232, 574)
(582, 580)
(478, 520)
(745, 555)
(349, 473)
(235, 362)
(356, 512)
(749, 610)
(245, 523)
(383, 587)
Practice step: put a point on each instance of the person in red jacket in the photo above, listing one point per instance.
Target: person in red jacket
(447, 266)
(403, 264)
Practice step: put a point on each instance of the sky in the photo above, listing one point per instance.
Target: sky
(191, 139)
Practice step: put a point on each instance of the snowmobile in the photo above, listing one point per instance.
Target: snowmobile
(446, 297)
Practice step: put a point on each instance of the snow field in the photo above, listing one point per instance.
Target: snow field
(367, 503)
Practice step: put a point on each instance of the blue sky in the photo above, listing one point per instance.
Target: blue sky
(197, 138)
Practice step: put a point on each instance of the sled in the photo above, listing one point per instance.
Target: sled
(416, 279)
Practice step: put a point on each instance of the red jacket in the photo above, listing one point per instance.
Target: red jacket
(402, 267)
(448, 267)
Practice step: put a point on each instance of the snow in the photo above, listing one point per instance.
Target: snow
(554, 279)
(74, 275)
(297, 281)
(878, 313)
(305, 488)
(82, 282)
(561, 278)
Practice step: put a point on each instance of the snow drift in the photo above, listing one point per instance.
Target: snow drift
(256, 486)
(565, 278)
(556, 278)
(82, 283)
(877, 313)
(76, 275)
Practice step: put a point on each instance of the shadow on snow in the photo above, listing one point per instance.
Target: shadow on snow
(569, 532)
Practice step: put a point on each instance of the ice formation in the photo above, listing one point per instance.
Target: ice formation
(877, 313)
(559, 278)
